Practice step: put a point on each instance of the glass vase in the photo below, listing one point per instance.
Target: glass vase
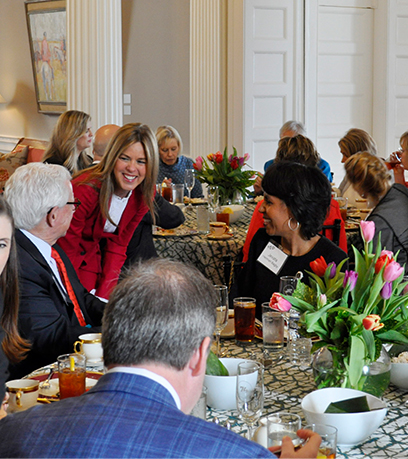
(329, 371)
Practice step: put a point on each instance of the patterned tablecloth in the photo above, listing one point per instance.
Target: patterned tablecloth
(204, 253)
(287, 384)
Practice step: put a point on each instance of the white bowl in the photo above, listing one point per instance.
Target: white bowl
(353, 428)
(399, 375)
(238, 212)
(221, 389)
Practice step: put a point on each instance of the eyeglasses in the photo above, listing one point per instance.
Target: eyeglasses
(75, 203)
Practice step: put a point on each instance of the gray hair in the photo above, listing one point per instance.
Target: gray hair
(160, 313)
(295, 126)
(34, 189)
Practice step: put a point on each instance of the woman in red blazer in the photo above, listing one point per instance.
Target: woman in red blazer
(115, 194)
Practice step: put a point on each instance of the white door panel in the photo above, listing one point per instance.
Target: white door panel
(270, 74)
(344, 77)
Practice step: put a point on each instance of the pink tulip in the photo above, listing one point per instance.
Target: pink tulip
(372, 322)
(392, 271)
(386, 291)
(246, 157)
(368, 230)
(198, 165)
(279, 303)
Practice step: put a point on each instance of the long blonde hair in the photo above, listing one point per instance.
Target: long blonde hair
(70, 126)
(104, 172)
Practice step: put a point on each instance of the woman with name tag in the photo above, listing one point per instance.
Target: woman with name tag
(296, 201)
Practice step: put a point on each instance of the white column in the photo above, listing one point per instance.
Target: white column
(205, 77)
(94, 46)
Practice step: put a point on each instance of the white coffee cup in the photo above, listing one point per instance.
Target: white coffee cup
(218, 228)
(90, 345)
(23, 394)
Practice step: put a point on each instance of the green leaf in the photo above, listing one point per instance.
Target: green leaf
(357, 359)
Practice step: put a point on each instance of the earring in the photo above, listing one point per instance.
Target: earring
(290, 227)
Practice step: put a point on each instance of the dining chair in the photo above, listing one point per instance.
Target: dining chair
(335, 231)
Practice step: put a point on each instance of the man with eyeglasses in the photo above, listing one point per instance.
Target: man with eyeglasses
(54, 306)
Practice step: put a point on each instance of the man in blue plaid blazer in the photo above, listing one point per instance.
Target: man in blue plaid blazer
(155, 335)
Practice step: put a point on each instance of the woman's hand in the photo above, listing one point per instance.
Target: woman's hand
(167, 181)
(4, 406)
(308, 450)
(398, 170)
(258, 185)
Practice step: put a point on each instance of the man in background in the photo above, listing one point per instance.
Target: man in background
(101, 140)
(55, 308)
(157, 329)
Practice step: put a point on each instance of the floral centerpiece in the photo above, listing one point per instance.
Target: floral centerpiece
(353, 313)
(227, 173)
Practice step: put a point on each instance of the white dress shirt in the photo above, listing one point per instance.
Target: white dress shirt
(149, 374)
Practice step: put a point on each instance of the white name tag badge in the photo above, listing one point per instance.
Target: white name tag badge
(273, 258)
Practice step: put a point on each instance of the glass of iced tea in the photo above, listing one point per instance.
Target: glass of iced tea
(71, 375)
(244, 319)
(327, 448)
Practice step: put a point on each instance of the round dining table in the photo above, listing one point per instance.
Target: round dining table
(285, 386)
(204, 252)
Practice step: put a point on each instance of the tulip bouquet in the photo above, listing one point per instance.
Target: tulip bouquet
(227, 173)
(355, 312)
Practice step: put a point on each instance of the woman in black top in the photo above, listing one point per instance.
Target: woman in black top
(297, 198)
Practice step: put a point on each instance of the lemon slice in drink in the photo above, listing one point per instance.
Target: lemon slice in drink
(227, 210)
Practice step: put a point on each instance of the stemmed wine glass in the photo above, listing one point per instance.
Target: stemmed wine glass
(250, 394)
(189, 181)
(221, 308)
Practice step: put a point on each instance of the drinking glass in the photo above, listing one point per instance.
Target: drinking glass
(222, 313)
(250, 394)
(328, 445)
(189, 181)
(283, 425)
(244, 319)
(213, 198)
(71, 375)
(287, 284)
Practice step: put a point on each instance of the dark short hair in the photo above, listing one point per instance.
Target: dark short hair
(304, 189)
(160, 313)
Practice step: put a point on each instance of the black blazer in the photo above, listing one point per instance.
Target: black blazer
(46, 315)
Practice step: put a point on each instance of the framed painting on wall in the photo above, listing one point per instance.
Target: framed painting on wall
(47, 25)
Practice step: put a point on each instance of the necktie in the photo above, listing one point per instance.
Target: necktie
(67, 283)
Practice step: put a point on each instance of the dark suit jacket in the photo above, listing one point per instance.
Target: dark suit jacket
(46, 316)
(124, 415)
(141, 246)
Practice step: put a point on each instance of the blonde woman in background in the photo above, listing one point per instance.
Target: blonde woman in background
(371, 179)
(353, 142)
(172, 163)
(70, 138)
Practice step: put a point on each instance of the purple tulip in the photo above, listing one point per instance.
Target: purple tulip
(386, 291)
(350, 278)
(368, 230)
(332, 267)
(392, 271)
(241, 161)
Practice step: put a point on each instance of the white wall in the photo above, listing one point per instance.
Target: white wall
(156, 62)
